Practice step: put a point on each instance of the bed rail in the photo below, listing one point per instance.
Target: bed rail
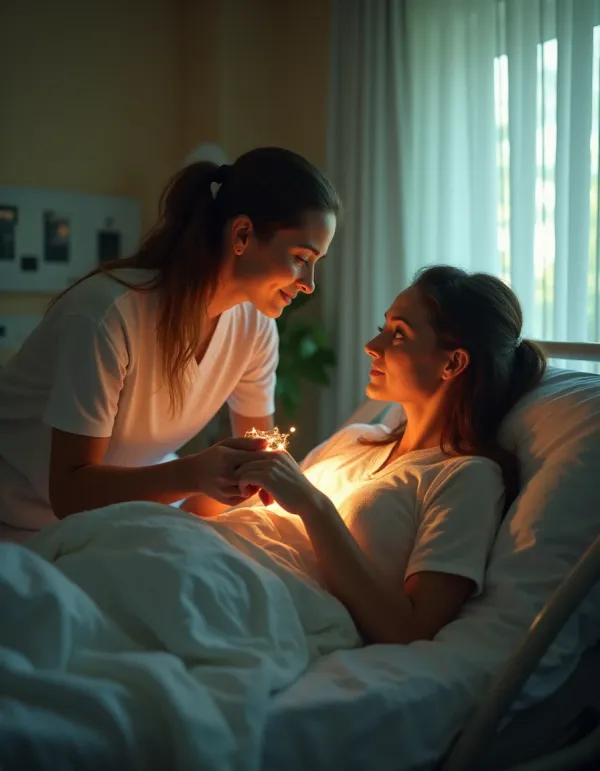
(480, 731)
(571, 351)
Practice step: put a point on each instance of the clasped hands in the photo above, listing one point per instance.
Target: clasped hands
(235, 469)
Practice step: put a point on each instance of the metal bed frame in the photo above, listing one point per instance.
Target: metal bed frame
(571, 351)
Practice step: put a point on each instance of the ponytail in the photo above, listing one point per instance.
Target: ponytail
(528, 368)
(185, 249)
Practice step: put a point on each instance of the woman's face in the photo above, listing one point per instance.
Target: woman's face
(408, 366)
(273, 272)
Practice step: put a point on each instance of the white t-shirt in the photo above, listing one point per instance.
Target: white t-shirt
(93, 367)
(421, 512)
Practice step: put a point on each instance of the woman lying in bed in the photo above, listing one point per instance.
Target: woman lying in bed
(399, 524)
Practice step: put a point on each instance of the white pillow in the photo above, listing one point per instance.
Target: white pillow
(556, 517)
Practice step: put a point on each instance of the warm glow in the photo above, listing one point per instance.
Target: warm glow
(275, 440)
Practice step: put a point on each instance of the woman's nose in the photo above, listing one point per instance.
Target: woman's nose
(306, 282)
(371, 349)
(376, 347)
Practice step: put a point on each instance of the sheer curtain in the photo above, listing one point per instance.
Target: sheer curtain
(546, 86)
(367, 266)
(464, 132)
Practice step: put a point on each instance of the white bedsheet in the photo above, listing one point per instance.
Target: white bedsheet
(163, 631)
(151, 643)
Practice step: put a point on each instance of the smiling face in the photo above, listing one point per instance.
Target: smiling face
(408, 366)
(272, 272)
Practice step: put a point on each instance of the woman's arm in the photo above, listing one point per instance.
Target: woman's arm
(448, 557)
(78, 480)
(384, 612)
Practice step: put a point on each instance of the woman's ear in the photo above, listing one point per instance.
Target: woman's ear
(241, 230)
(458, 362)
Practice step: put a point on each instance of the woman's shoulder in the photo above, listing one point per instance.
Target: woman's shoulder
(474, 475)
(96, 296)
(471, 464)
(468, 466)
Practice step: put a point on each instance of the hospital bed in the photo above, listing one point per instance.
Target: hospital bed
(562, 732)
(393, 708)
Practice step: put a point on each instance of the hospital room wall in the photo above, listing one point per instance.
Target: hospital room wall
(89, 102)
(109, 97)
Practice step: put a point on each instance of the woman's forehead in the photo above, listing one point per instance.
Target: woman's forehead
(409, 305)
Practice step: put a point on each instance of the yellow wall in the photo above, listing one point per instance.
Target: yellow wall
(90, 96)
(256, 74)
(109, 96)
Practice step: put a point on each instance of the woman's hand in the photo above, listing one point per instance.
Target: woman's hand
(213, 471)
(277, 474)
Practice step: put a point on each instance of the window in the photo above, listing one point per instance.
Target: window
(565, 280)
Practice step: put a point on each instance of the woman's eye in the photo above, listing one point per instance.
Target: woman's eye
(301, 260)
(397, 334)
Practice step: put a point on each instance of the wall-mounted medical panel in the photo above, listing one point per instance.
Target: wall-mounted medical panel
(50, 238)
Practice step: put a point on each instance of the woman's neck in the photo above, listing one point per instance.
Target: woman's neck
(424, 425)
(229, 292)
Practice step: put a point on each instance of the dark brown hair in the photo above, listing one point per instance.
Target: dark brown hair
(480, 313)
(274, 187)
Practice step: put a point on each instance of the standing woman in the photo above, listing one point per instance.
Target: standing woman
(133, 360)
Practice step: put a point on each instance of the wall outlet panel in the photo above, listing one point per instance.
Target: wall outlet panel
(39, 262)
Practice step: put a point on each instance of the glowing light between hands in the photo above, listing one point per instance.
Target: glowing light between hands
(275, 440)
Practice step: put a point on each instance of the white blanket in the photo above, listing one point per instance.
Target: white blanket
(151, 642)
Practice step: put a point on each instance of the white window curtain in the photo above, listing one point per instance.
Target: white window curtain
(463, 132)
(367, 267)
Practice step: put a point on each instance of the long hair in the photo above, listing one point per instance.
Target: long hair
(274, 187)
(480, 313)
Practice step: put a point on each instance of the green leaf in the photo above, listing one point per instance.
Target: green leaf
(318, 332)
(325, 357)
(315, 372)
(290, 396)
(308, 346)
(288, 384)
